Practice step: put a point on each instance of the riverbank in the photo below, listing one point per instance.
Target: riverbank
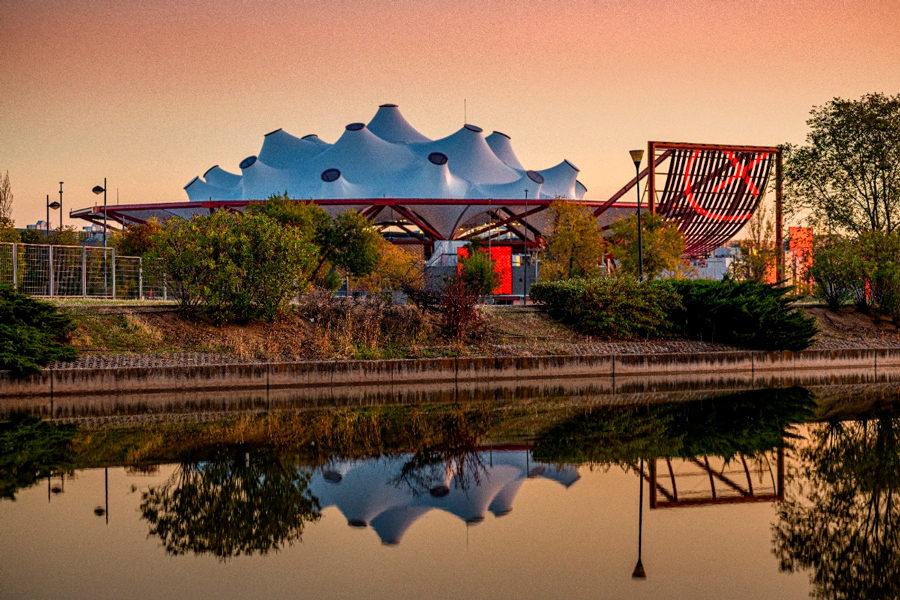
(122, 362)
(123, 336)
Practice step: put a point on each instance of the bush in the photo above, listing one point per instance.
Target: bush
(613, 307)
(460, 319)
(234, 267)
(747, 314)
(878, 273)
(33, 333)
(835, 273)
(478, 271)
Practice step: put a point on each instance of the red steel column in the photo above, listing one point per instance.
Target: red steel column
(651, 175)
(779, 215)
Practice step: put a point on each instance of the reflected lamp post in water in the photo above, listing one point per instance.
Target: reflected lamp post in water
(639, 572)
(102, 511)
(637, 156)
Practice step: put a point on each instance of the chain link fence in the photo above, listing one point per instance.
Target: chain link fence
(77, 272)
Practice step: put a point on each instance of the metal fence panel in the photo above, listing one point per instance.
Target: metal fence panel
(78, 271)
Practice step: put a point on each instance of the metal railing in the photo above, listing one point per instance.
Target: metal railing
(77, 272)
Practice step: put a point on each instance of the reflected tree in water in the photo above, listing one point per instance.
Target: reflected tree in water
(840, 517)
(240, 503)
(745, 423)
(31, 449)
(451, 449)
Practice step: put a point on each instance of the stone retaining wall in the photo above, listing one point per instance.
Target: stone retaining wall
(622, 371)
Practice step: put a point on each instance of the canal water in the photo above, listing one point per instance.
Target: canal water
(774, 493)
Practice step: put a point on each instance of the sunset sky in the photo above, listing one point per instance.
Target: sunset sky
(150, 94)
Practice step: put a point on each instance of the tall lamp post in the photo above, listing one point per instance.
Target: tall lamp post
(60, 206)
(525, 257)
(102, 190)
(637, 156)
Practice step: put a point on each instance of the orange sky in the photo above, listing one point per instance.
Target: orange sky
(150, 94)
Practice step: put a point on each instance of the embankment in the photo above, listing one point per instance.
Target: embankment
(73, 392)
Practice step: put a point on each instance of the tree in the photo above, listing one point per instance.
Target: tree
(62, 236)
(836, 272)
(135, 240)
(239, 266)
(397, 269)
(663, 245)
(758, 250)
(309, 218)
(348, 242)
(575, 244)
(8, 231)
(848, 174)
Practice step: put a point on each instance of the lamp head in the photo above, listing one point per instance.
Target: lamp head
(54, 205)
(637, 156)
(98, 189)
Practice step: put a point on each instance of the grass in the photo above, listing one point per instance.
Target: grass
(117, 333)
(102, 302)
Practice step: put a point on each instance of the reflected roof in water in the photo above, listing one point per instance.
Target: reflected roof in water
(385, 494)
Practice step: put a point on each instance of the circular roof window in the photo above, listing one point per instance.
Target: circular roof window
(329, 175)
(437, 158)
(474, 128)
(535, 176)
(355, 126)
(248, 162)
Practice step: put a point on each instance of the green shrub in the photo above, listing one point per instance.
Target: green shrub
(747, 314)
(233, 267)
(478, 272)
(835, 272)
(33, 333)
(610, 307)
(751, 315)
(878, 273)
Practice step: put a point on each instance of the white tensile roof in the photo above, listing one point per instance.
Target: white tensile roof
(387, 157)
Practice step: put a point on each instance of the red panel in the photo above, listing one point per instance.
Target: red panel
(502, 259)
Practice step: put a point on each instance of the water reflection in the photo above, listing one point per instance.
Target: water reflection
(232, 504)
(30, 450)
(376, 492)
(840, 517)
(386, 469)
(743, 424)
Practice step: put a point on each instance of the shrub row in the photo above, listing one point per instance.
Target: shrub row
(751, 315)
(610, 307)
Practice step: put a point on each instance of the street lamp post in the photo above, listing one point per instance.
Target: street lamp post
(102, 190)
(54, 205)
(637, 156)
(60, 206)
(526, 256)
